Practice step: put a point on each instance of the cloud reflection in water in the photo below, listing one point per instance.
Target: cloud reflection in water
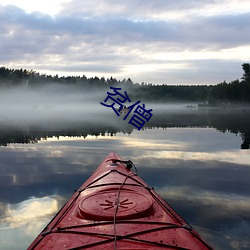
(197, 170)
(21, 222)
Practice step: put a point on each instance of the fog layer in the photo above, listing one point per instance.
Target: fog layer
(53, 102)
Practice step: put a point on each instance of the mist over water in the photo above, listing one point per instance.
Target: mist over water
(55, 102)
(57, 109)
(60, 103)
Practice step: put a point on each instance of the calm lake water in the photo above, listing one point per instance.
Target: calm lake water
(197, 160)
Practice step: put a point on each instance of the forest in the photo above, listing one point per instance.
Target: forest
(224, 93)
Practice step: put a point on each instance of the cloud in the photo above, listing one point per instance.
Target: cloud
(115, 38)
(148, 9)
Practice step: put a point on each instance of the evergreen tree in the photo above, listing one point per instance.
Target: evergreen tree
(246, 69)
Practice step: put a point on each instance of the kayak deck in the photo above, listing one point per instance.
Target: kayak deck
(116, 209)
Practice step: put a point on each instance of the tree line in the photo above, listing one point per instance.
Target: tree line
(236, 91)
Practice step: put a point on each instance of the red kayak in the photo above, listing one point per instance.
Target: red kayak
(116, 209)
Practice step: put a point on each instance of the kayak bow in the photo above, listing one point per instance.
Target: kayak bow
(116, 209)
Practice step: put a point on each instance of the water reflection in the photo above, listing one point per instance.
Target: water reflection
(196, 166)
(101, 124)
(33, 209)
(21, 221)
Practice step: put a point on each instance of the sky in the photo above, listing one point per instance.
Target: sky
(152, 41)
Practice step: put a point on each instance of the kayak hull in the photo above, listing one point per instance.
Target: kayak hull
(116, 209)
